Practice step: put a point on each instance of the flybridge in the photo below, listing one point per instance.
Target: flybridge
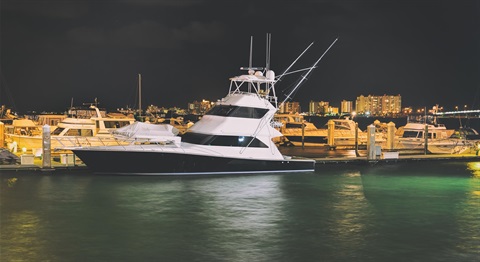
(261, 81)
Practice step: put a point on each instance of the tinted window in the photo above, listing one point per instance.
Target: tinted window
(57, 131)
(410, 134)
(116, 124)
(240, 141)
(237, 111)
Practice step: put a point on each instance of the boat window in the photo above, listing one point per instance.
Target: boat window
(410, 134)
(79, 132)
(86, 132)
(240, 141)
(73, 132)
(116, 124)
(57, 131)
(237, 111)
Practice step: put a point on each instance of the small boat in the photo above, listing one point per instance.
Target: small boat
(463, 140)
(439, 139)
(234, 137)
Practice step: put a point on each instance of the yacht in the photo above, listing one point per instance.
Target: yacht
(234, 137)
(462, 141)
(412, 135)
(83, 127)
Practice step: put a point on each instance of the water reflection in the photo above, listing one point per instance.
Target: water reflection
(23, 236)
(424, 204)
(393, 212)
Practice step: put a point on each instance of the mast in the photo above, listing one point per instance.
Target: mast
(139, 95)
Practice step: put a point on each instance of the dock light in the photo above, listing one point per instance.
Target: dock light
(24, 150)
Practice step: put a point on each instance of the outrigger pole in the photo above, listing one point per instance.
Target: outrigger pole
(304, 77)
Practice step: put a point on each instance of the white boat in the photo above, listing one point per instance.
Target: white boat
(439, 140)
(84, 127)
(235, 136)
(462, 141)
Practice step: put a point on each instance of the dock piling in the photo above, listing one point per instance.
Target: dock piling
(46, 148)
(371, 149)
(330, 134)
(390, 135)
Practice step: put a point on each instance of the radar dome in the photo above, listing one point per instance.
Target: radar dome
(270, 75)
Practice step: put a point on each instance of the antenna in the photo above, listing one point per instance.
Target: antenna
(251, 70)
(304, 77)
(251, 52)
(267, 62)
(140, 95)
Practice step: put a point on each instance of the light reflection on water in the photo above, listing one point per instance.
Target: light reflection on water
(398, 212)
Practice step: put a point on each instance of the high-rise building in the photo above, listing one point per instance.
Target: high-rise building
(379, 105)
(346, 107)
(290, 107)
(318, 108)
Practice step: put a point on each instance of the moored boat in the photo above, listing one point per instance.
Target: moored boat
(83, 127)
(235, 136)
(425, 133)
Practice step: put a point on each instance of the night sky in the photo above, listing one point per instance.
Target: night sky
(53, 51)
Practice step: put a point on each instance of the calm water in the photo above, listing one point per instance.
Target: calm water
(426, 211)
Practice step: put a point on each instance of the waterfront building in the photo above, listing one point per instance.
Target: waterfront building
(379, 105)
(346, 106)
(290, 107)
(331, 111)
(318, 108)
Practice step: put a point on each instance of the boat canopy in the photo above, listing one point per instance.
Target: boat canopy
(145, 131)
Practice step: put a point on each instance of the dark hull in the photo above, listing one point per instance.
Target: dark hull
(158, 163)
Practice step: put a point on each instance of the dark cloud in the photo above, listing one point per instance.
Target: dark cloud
(49, 9)
(187, 50)
(148, 34)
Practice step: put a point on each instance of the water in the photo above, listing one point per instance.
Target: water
(392, 212)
